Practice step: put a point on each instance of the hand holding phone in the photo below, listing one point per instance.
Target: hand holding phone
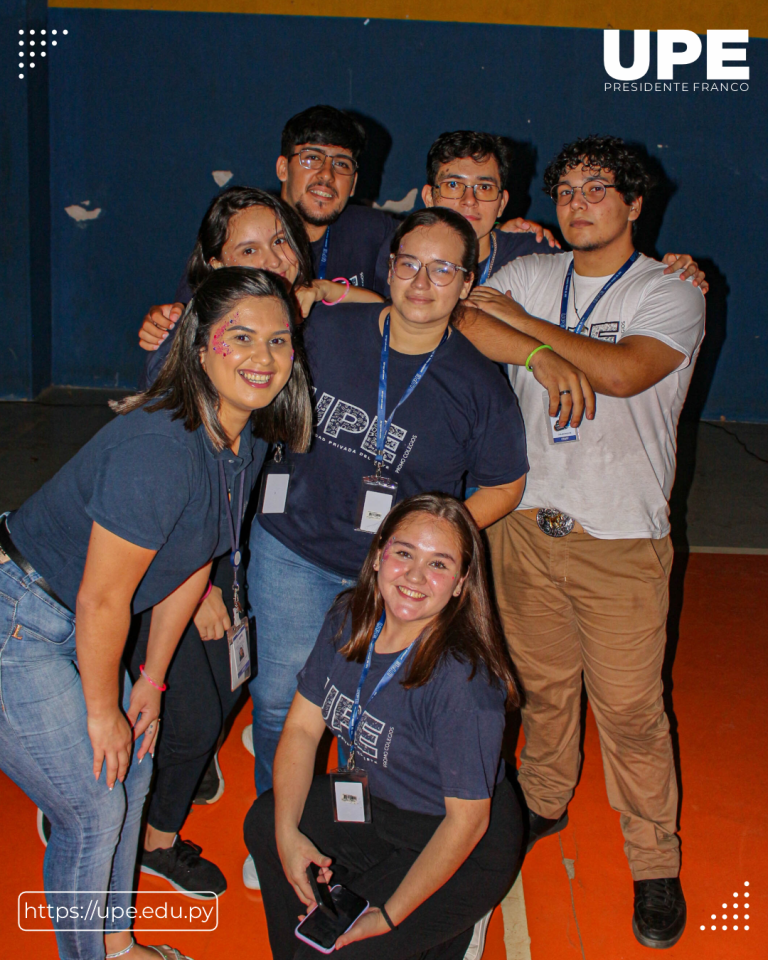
(321, 891)
(321, 928)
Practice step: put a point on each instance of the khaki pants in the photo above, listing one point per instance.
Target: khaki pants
(578, 605)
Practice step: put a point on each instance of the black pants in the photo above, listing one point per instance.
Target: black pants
(372, 859)
(195, 706)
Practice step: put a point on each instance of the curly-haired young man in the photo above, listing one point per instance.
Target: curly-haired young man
(582, 567)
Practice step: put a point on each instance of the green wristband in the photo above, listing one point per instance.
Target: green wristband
(532, 354)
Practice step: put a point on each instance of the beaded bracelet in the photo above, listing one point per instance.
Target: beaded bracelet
(542, 346)
(160, 686)
(332, 303)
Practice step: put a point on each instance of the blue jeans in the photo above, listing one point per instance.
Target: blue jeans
(289, 598)
(45, 749)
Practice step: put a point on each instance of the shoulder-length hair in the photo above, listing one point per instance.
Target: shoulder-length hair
(466, 628)
(214, 231)
(184, 387)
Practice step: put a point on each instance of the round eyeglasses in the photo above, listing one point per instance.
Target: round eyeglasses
(315, 160)
(593, 191)
(455, 190)
(440, 272)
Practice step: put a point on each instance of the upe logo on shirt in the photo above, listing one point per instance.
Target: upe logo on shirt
(677, 48)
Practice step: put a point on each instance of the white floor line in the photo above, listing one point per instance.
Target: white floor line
(516, 939)
(754, 551)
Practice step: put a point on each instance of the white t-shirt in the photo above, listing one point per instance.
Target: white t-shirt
(616, 479)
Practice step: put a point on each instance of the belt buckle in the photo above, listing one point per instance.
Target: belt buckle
(553, 522)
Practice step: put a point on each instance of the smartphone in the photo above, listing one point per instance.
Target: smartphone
(320, 929)
(321, 891)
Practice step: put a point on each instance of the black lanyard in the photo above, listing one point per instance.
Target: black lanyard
(234, 531)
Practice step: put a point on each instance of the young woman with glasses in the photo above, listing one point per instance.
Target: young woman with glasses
(451, 421)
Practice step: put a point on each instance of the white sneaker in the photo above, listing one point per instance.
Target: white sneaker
(251, 878)
(248, 739)
(477, 943)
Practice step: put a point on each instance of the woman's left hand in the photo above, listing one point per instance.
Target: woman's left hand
(371, 924)
(143, 710)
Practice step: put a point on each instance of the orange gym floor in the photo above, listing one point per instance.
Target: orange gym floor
(718, 694)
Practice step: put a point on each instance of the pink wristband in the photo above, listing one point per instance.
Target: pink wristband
(332, 303)
(208, 590)
(160, 686)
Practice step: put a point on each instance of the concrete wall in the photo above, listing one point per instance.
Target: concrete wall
(144, 106)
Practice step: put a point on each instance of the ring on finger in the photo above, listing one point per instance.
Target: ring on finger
(563, 392)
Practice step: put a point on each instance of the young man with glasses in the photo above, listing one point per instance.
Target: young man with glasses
(582, 567)
(467, 171)
(317, 168)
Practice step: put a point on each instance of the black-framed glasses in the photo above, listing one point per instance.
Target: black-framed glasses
(455, 190)
(313, 159)
(593, 191)
(440, 272)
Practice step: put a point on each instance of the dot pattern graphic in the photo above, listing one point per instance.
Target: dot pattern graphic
(28, 46)
(745, 916)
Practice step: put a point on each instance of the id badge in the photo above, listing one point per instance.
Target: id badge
(555, 435)
(275, 480)
(350, 796)
(377, 496)
(239, 653)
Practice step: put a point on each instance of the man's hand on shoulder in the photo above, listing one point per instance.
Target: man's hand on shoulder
(521, 225)
(157, 324)
(686, 263)
(497, 304)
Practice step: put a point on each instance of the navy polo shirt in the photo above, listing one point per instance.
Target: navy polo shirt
(148, 480)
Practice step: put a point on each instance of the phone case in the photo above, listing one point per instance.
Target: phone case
(316, 946)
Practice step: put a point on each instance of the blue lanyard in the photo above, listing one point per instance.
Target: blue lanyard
(383, 425)
(489, 262)
(567, 289)
(357, 711)
(324, 255)
(234, 528)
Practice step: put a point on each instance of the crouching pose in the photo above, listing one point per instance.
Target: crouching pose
(411, 674)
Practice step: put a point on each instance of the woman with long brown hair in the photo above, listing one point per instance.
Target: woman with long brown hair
(411, 673)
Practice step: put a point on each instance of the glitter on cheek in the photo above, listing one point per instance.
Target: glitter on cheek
(219, 346)
(389, 543)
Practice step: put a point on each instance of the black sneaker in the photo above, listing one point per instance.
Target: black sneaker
(186, 871)
(43, 827)
(211, 786)
(544, 827)
(659, 918)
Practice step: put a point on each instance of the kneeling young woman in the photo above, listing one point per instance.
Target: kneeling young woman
(412, 675)
(131, 523)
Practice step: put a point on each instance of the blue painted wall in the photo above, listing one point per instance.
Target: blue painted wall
(144, 106)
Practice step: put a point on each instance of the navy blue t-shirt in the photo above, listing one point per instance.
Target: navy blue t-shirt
(509, 246)
(417, 746)
(355, 242)
(461, 422)
(148, 480)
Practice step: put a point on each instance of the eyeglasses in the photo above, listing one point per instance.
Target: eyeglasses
(440, 272)
(455, 190)
(315, 160)
(593, 191)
